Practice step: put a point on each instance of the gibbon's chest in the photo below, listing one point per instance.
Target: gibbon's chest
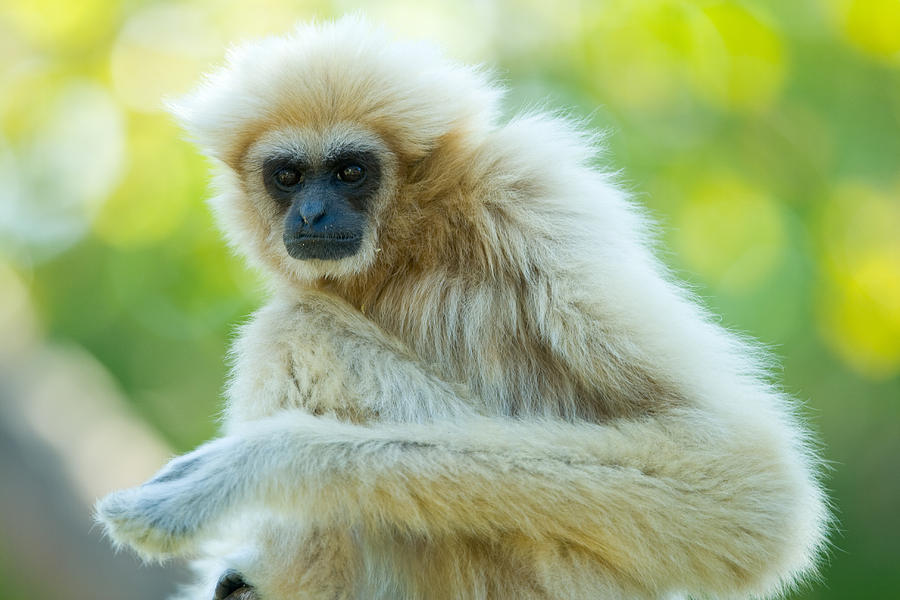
(487, 348)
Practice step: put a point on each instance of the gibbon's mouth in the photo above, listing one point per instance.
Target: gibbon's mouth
(231, 586)
(330, 247)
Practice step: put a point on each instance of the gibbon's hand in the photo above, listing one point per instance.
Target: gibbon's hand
(169, 513)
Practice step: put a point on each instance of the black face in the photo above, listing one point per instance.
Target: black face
(326, 205)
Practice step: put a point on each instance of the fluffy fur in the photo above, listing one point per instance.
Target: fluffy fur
(502, 395)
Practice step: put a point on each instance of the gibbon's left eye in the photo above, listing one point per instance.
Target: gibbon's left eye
(351, 173)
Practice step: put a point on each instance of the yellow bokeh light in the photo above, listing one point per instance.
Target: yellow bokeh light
(871, 26)
(859, 312)
(160, 52)
(650, 51)
(639, 69)
(238, 20)
(860, 317)
(463, 28)
(63, 23)
(731, 233)
(158, 186)
(754, 57)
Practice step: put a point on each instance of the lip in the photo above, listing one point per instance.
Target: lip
(299, 239)
(322, 247)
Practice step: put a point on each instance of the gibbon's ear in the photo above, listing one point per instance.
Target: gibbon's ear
(345, 72)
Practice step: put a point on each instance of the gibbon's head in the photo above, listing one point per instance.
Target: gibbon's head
(316, 135)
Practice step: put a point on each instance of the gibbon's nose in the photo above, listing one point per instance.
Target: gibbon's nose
(311, 210)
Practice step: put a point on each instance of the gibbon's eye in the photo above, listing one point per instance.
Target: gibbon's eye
(287, 178)
(351, 173)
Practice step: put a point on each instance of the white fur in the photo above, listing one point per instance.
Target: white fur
(558, 419)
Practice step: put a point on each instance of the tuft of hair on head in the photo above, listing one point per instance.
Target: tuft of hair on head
(340, 71)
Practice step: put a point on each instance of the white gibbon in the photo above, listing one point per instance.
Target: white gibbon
(473, 378)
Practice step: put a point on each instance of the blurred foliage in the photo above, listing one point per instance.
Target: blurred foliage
(764, 135)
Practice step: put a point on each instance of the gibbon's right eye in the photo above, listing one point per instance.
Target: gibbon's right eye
(287, 178)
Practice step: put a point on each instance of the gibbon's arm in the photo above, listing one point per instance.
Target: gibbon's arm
(682, 502)
(316, 352)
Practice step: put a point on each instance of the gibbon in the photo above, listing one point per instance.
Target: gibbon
(473, 378)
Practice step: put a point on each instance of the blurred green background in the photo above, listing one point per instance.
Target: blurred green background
(763, 135)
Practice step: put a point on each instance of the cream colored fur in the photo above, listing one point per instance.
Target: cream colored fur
(502, 395)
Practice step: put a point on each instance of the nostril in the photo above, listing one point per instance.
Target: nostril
(231, 586)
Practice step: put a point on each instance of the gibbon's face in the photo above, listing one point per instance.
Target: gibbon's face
(324, 200)
(319, 195)
(323, 191)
